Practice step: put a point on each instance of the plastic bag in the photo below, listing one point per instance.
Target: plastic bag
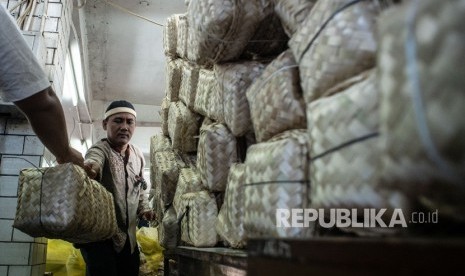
(147, 237)
(63, 259)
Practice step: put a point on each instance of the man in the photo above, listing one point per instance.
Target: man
(118, 166)
(23, 82)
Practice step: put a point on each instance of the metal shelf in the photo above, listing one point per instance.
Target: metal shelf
(325, 256)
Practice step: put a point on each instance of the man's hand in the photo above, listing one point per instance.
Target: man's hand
(92, 169)
(72, 156)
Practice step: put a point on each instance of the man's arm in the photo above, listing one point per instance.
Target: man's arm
(45, 114)
(94, 162)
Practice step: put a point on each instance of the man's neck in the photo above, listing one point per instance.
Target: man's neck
(121, 149)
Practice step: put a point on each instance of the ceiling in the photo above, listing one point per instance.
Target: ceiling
(125, 59)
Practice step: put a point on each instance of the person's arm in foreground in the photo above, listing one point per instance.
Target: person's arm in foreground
(45, 114)
(23, 82)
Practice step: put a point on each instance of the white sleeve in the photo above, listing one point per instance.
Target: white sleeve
(21, 76)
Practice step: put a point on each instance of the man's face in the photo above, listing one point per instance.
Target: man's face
(120, 127)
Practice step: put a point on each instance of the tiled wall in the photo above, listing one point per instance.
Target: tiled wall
(21, 254)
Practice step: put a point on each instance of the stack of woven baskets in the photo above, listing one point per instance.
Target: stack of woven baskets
(319, 125)
(209, 68)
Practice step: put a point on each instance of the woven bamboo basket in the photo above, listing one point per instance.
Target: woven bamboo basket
(193, 52)
(167, 166)
(189, 82)
(156, 202)
(216, 111)
(230, 223)
(173, 79)
(189, 182)
(357, 99)
(344, 48)
(217, 151)
(206, 87)
(216, 103)
(170, 35)
(164, 112)
(345, 152)
(198, 223)
(269, 40)
(183, 127)
(431, 173)
(206, 122)
(270, 114)
(189, 159)
(233, 80)
(61, 202)
(344, 85)
(159, 142)
(175, 123)
(276, 178)
(169, 230)
(182, 35)
(292, 13)
(223, 28)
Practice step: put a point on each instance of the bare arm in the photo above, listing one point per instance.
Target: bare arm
(45, 114)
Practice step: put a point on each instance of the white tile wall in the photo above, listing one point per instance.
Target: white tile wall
(12, 166)
(6, 230)
(33, 146)
(20, 271)
(51, 40)
(36, 24)
(19, 236)
(54, 9)
(50, 56)
(38, 253)
(14, 253)
(38, 270)
(39, 8)
(18, 127)
(8, 207)
(8, 185)
(11, 144)
(57, 85)
(51, 24)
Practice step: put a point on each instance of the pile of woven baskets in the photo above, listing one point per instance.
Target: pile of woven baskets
(335, 111)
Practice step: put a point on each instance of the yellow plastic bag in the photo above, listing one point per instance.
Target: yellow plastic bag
(64, 260)
(147, 237)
